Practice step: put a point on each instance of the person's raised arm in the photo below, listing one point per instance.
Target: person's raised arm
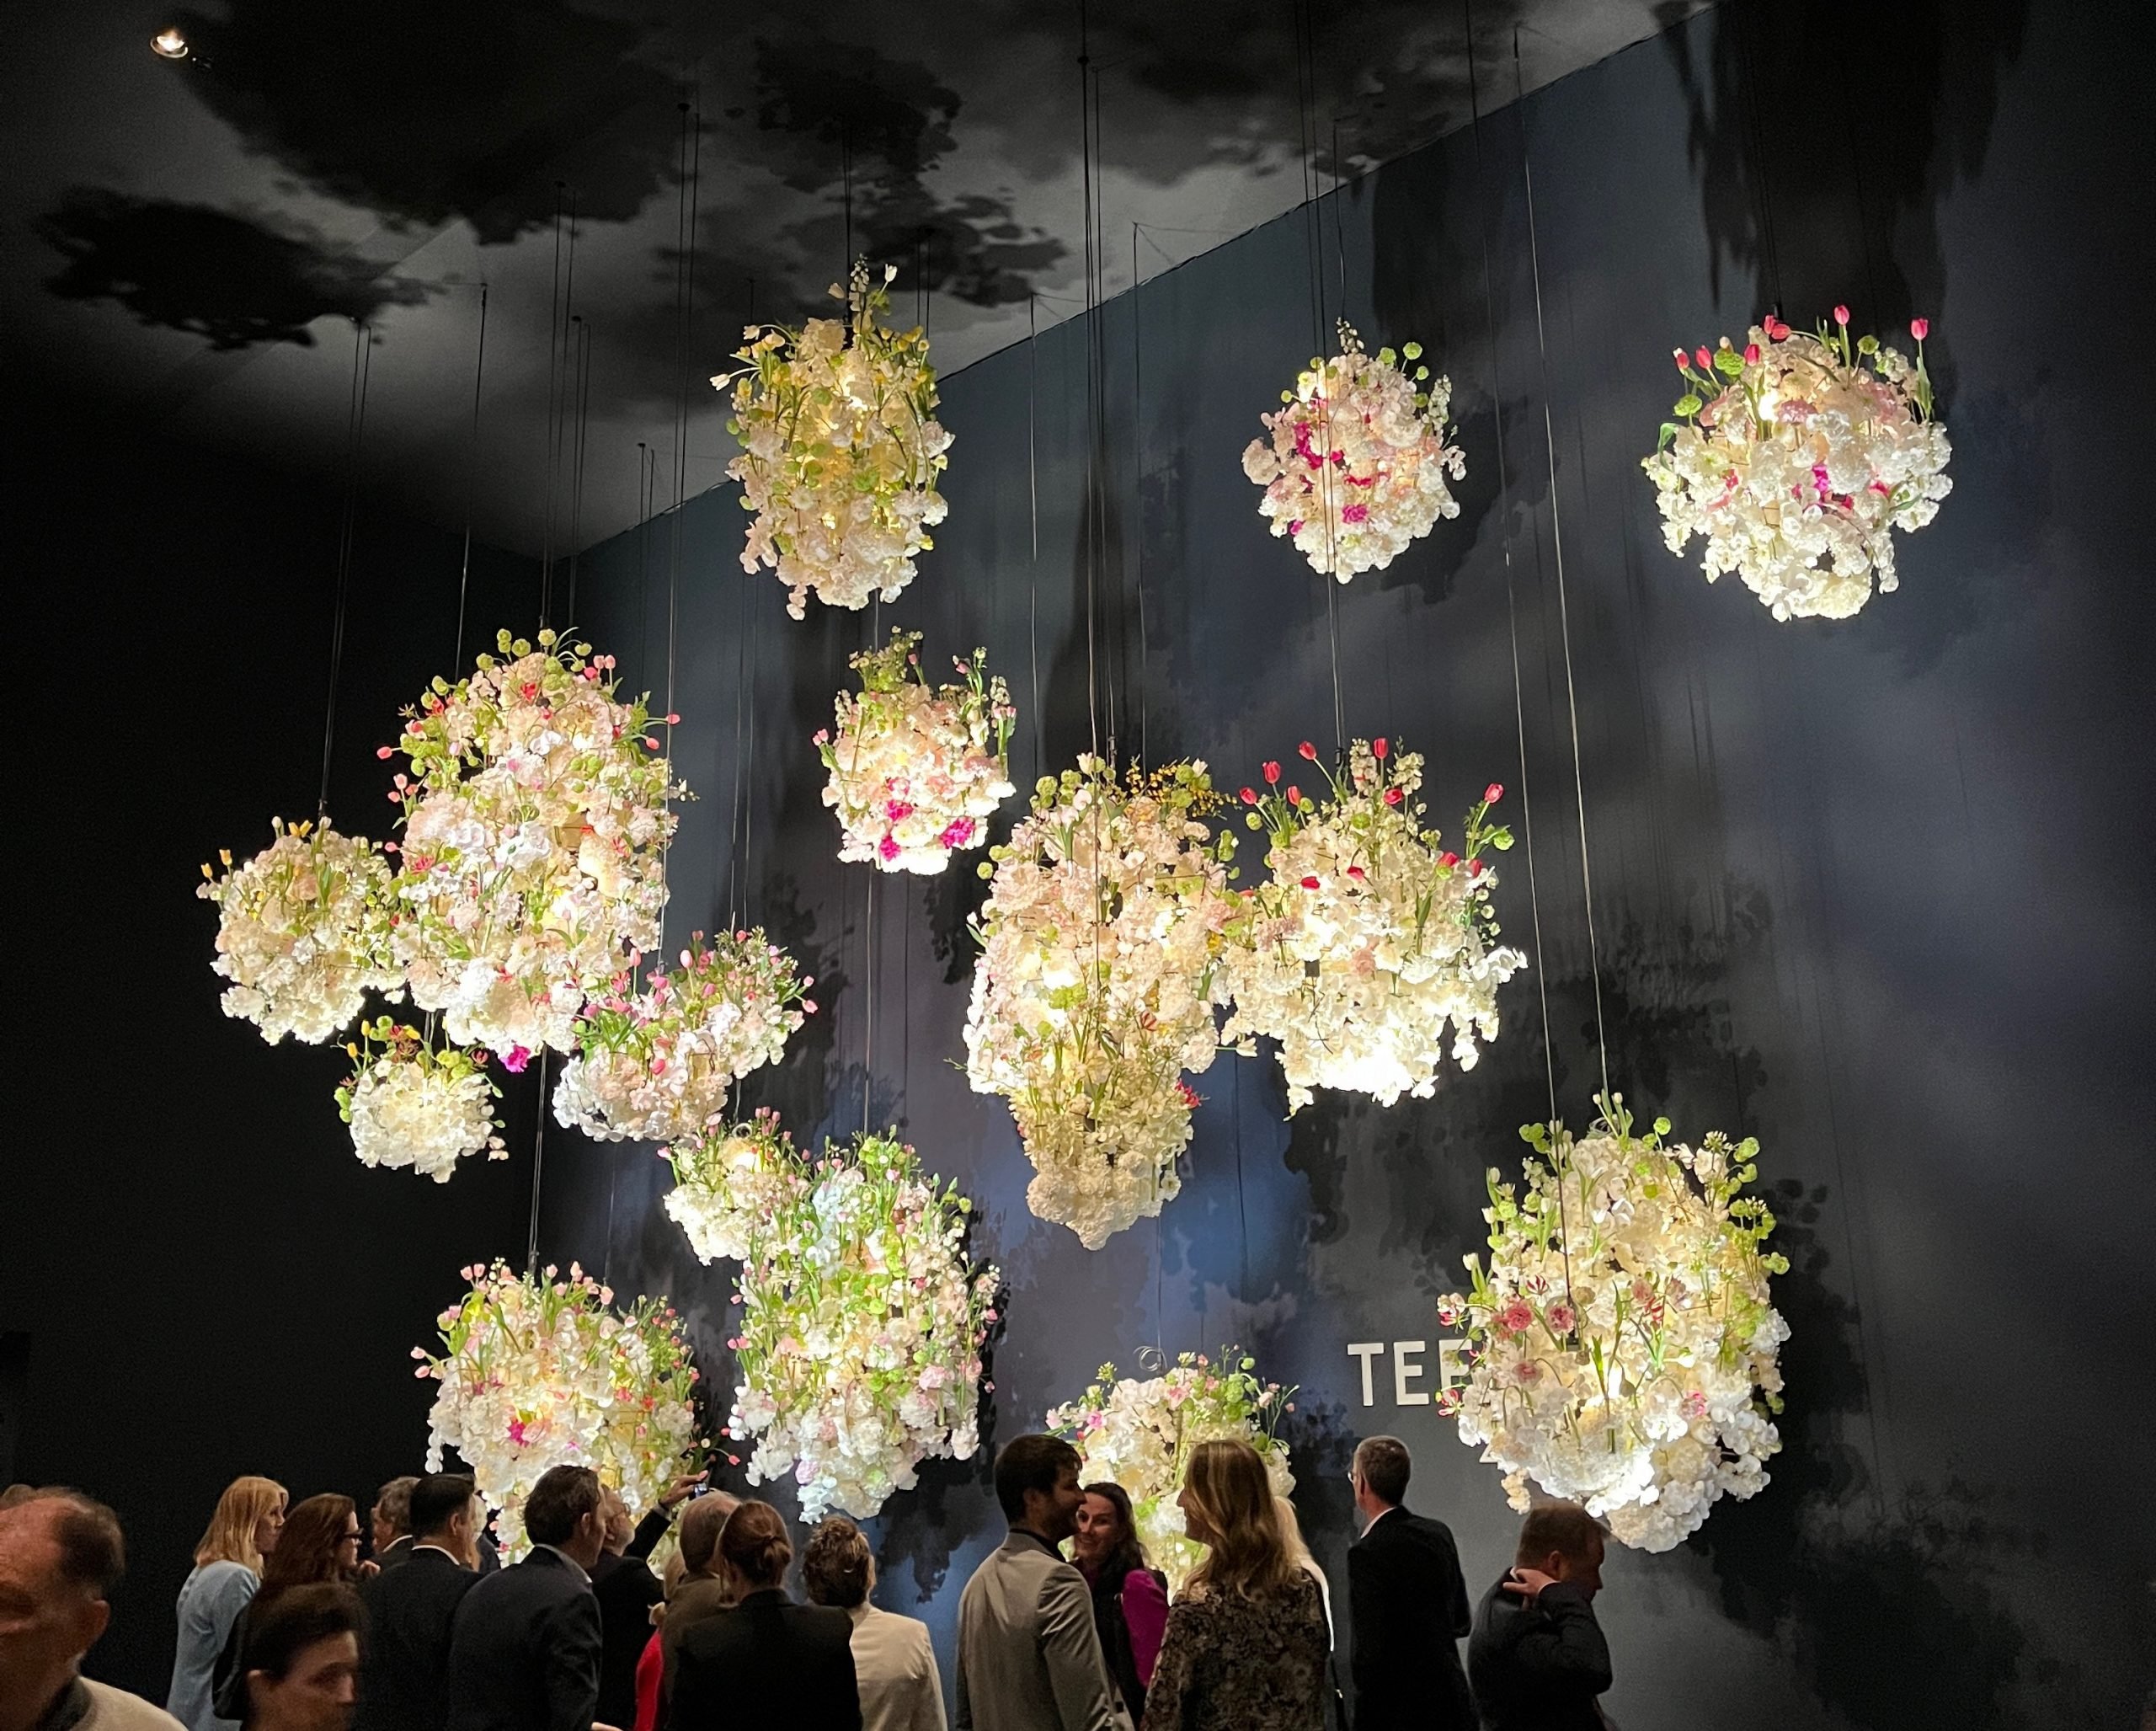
(1071, 1649)
(1565, 1642)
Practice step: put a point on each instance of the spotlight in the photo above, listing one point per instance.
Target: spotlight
(170, 45)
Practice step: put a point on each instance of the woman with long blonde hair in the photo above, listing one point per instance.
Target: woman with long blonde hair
(1245, 1649)
(229, 1562)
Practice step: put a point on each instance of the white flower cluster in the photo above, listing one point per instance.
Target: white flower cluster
(1623, 1345)
(409, 1105)
(862, 1325)
(538, 1372)
(1140, 1433)
(302, 931)
(535, 822)
(656, 1064)
(730, 1182)
(1796, 458)
(1096, 986)
(841, 450)
(1368, 938)
(916, 769)
(1355, 466)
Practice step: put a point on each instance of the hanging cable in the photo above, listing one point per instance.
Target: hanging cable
(1034, 519)
(1086, 172)
(1138, 537)
(355, 426)
(685, 277)
(538, 1166)
(553, 393)
(1314, 236)
(578, 448)
(471, 486)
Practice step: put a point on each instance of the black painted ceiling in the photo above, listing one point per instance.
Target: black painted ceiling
(189, 241)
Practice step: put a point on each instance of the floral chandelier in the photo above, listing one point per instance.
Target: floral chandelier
(410, 1104)
(1141, 1435)
(535, 821)
(863, 1321)
(303, 932)
(1097, 984)
(1354, 465)
(840, 451)
(1796, 458)
(916, 769)
(1367, 936)
(730, 1181)
(538, 1372)
(1623, 1347)
(656, 1064)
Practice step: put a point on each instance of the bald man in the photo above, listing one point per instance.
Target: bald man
(61, 1557)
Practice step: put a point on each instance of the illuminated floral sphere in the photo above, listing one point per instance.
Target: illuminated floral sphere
(1097, 984)
(412, 1104)
(730, 1181)
(1354, 464)
(1622, 1349)
(840, 450)
(1796, 459)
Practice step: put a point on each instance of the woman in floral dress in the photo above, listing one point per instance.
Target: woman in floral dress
(1245, 1649)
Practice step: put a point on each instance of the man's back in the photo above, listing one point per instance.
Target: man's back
(523, 1652)
(1407, 1606)
(766, 1662)
(626, 1590)
(405, 1668)
(1538, 1667)
(1029, 1654)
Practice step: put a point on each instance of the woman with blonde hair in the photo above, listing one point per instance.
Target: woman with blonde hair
(249, 1517)
(1291, 1535)
(1245, 1649)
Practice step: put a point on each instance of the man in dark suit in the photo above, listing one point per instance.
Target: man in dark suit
(626, 1589)
(404, 1673)
(523, 1651)
(391, 1518)
(1406, 1605)
(1538, 1657)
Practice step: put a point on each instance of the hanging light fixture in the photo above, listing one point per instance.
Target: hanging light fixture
(169, 45)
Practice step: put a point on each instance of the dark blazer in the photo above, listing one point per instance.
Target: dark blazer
(524, 1650)
(395, 1554)
(626, 1589)
(1539, 1667)
(766, 1664)
(404, 1663)
(1407, 1609)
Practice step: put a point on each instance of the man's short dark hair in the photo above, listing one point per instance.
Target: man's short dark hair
(835, 1568)
(1030, 1463)
(295, 1619)
(437, 1500)
(1383, 1463)
(1565, 1528)
(92, 1554)
(563, 1496)
(393, 1503)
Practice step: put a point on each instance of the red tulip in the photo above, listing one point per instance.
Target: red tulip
(1920, 328)
(1448, 858)
(1295, 796)
(1310, 883)
(1841, 315)
(1706, 361)
(1250, 796)
(1307, 749)
(1492, 793)
(1392, 796)
(1750, 352)
(1379, 750)
(1272, 771)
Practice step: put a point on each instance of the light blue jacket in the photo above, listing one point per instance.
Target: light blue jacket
(209, 1603)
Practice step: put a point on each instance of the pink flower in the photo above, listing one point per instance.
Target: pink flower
(1527, 1370)
(1356, 873)
(516, 1432)
(1250, 796)
(1448, 858)
(1694, 1405)
(1492, 793)
(888, 846)
(1706, 361)
(1516, 1317)
(1354, 513)
(957, 833)
(1272, 771)
(515, 1058)
(1310, 883)
(1295, 796)
(1750, 353)
(1920, 328)
(1562, 1317)
(1379, 749)
(1296, 527)
(1307, 749)
(1841, 315)
(1680, 355)
(1393, 796)
(898, 811)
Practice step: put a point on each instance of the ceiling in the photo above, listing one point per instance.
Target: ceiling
(190, 240)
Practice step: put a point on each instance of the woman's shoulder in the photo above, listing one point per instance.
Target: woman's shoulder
(220, 1580)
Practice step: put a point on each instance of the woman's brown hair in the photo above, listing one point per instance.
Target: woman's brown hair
(230, 1536)
(306, 1549)
(1129, 1553)
(755, 1546)
(1232, 1498)
(836, 1567)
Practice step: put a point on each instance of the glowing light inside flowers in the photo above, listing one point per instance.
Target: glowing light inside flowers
(916, 770)
(1354, 464)
(538, 1372)
(1096, 985)
(1622, 1348)
(411, 1104)
(862, 1325)
(1140, 1433)
(1367, 939)
(730, 1181)
(303, 931)
(840, 450)
(1796, 459)
(657, 1063)
(535, 821)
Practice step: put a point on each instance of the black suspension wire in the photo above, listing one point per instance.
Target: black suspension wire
(1033, 518)
(578, 448)
(1314, 234)
(690, 162)
(355, 426)
(1085, 169)
(471, 486)
(1138, 441)
(538, 1166)
(553, 392)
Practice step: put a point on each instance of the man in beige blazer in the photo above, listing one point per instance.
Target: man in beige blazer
(1029, 1655)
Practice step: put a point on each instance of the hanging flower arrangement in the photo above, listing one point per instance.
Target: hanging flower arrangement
(729, 1181)
(839, 450)
(1097, 984)
(658, 1063)
(916, 769)
(1140, 1434)
(1796, 459)
(1354, 464)
(1622, 1348)
(535, 821)
(302, 931)
(1369, 938)
(862, 1325)
(538, 1372)
(410, 1104)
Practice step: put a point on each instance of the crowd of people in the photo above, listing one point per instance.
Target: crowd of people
(282, 1626)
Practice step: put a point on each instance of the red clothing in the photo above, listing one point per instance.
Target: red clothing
(1145, 1615)
(650, 1668)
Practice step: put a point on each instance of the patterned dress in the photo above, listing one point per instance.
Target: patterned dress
(1230, 1663)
